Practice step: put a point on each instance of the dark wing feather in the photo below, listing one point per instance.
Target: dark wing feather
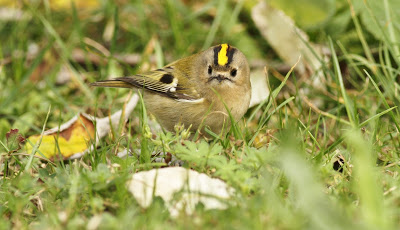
(162, 81)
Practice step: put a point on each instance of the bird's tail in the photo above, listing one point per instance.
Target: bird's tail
(112, 83)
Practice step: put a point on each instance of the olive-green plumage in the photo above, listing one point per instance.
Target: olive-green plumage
(194, 90)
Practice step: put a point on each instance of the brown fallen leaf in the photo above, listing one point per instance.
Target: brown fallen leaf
(74, 137)
(14, 140)
(78, 135)
(289, 41)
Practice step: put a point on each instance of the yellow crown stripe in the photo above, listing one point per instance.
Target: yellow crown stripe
(222, 55)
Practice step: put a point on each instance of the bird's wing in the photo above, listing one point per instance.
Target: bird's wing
(168, 81)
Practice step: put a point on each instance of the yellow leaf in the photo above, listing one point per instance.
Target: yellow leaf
(57, 4)
(72, 140)
(66, 4)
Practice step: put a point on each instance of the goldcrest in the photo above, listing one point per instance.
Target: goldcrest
(195, 91)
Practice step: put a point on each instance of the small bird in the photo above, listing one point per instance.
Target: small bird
(196, 90)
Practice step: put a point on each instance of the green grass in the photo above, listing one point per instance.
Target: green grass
(280, 159)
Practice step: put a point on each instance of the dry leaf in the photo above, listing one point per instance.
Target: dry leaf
(14, 140)
(9, 13)
(80, 5)
(288, 41)
(72, 137)
(181, 189)
(259, 87)
(77, 136)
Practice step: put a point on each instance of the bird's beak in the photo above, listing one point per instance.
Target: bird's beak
(219, 78)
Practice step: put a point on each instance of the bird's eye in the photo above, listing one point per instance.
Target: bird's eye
(234, 72)
(209, 70)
